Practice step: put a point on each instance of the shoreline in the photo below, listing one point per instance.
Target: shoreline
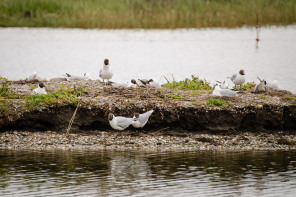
(148, 141)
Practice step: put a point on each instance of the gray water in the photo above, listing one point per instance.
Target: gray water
(212, 54)
(111, 173)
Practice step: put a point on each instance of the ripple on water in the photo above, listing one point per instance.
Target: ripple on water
(111, 173)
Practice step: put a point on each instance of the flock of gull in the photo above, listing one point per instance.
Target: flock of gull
(139, 120)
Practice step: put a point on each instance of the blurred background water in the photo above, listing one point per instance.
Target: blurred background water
(120, 173)
(213, 54)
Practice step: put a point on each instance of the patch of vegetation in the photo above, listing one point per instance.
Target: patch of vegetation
(118, 14)
(288, 97)
(190, 84)
(61, 95)
(285, 141)
(263, 97)
(218, 102)
(3, 105)
(5, 91)
(171, 96)
(248, 86)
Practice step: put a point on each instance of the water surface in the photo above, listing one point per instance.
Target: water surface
(213, 54)
(112, 173)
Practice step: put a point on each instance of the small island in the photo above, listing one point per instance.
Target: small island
(185, 114)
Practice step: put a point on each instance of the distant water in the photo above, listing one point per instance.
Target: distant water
(213, 54)
(115, 173)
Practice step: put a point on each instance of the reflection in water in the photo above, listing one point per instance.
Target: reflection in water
(111, 173)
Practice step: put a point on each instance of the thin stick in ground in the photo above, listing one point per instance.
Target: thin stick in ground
(72, 119)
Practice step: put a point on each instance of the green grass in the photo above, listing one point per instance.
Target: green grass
(5, 91)
(60, 96)
(263, 97)
(289, 98)
(190, 84)
(116, 14)
(218, 102)
(171, 96)
(247, 86)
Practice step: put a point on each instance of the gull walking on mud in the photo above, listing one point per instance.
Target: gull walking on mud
(119, 123)
(39, 90)
(141, 119)
(106, 72)
(238, 79)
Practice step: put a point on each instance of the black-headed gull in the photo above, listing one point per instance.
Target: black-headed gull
(86, 76)
(238, 79)
(106, 72)
(223, 92)
(119, 122)
(39, 90)
(153, 84)
(261, 86)
(141, 119)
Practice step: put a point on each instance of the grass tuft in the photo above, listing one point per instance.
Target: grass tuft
(61, 95)
(289, 98)
(218, 102)
(248, 86)
(190, 84)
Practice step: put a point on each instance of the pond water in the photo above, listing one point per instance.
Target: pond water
(212, 54)
(115, 173)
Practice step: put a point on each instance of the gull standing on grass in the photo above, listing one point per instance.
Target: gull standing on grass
(106, 72)
(39, 90)
(238, 79)
(119, 123)
(141, 119)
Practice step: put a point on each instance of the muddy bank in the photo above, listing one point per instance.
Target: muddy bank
(148, 141)
(173, 109)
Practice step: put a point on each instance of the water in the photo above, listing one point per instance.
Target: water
(213, 54)
(111, 173)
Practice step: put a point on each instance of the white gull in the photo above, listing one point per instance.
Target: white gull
(141, 119)
(119, 122)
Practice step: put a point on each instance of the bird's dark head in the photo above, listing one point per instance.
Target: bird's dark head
(150, 80)
(136, 116)
(41, 85)
(242, 72)
(110, 116)
(106, 62)
(134, 81)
